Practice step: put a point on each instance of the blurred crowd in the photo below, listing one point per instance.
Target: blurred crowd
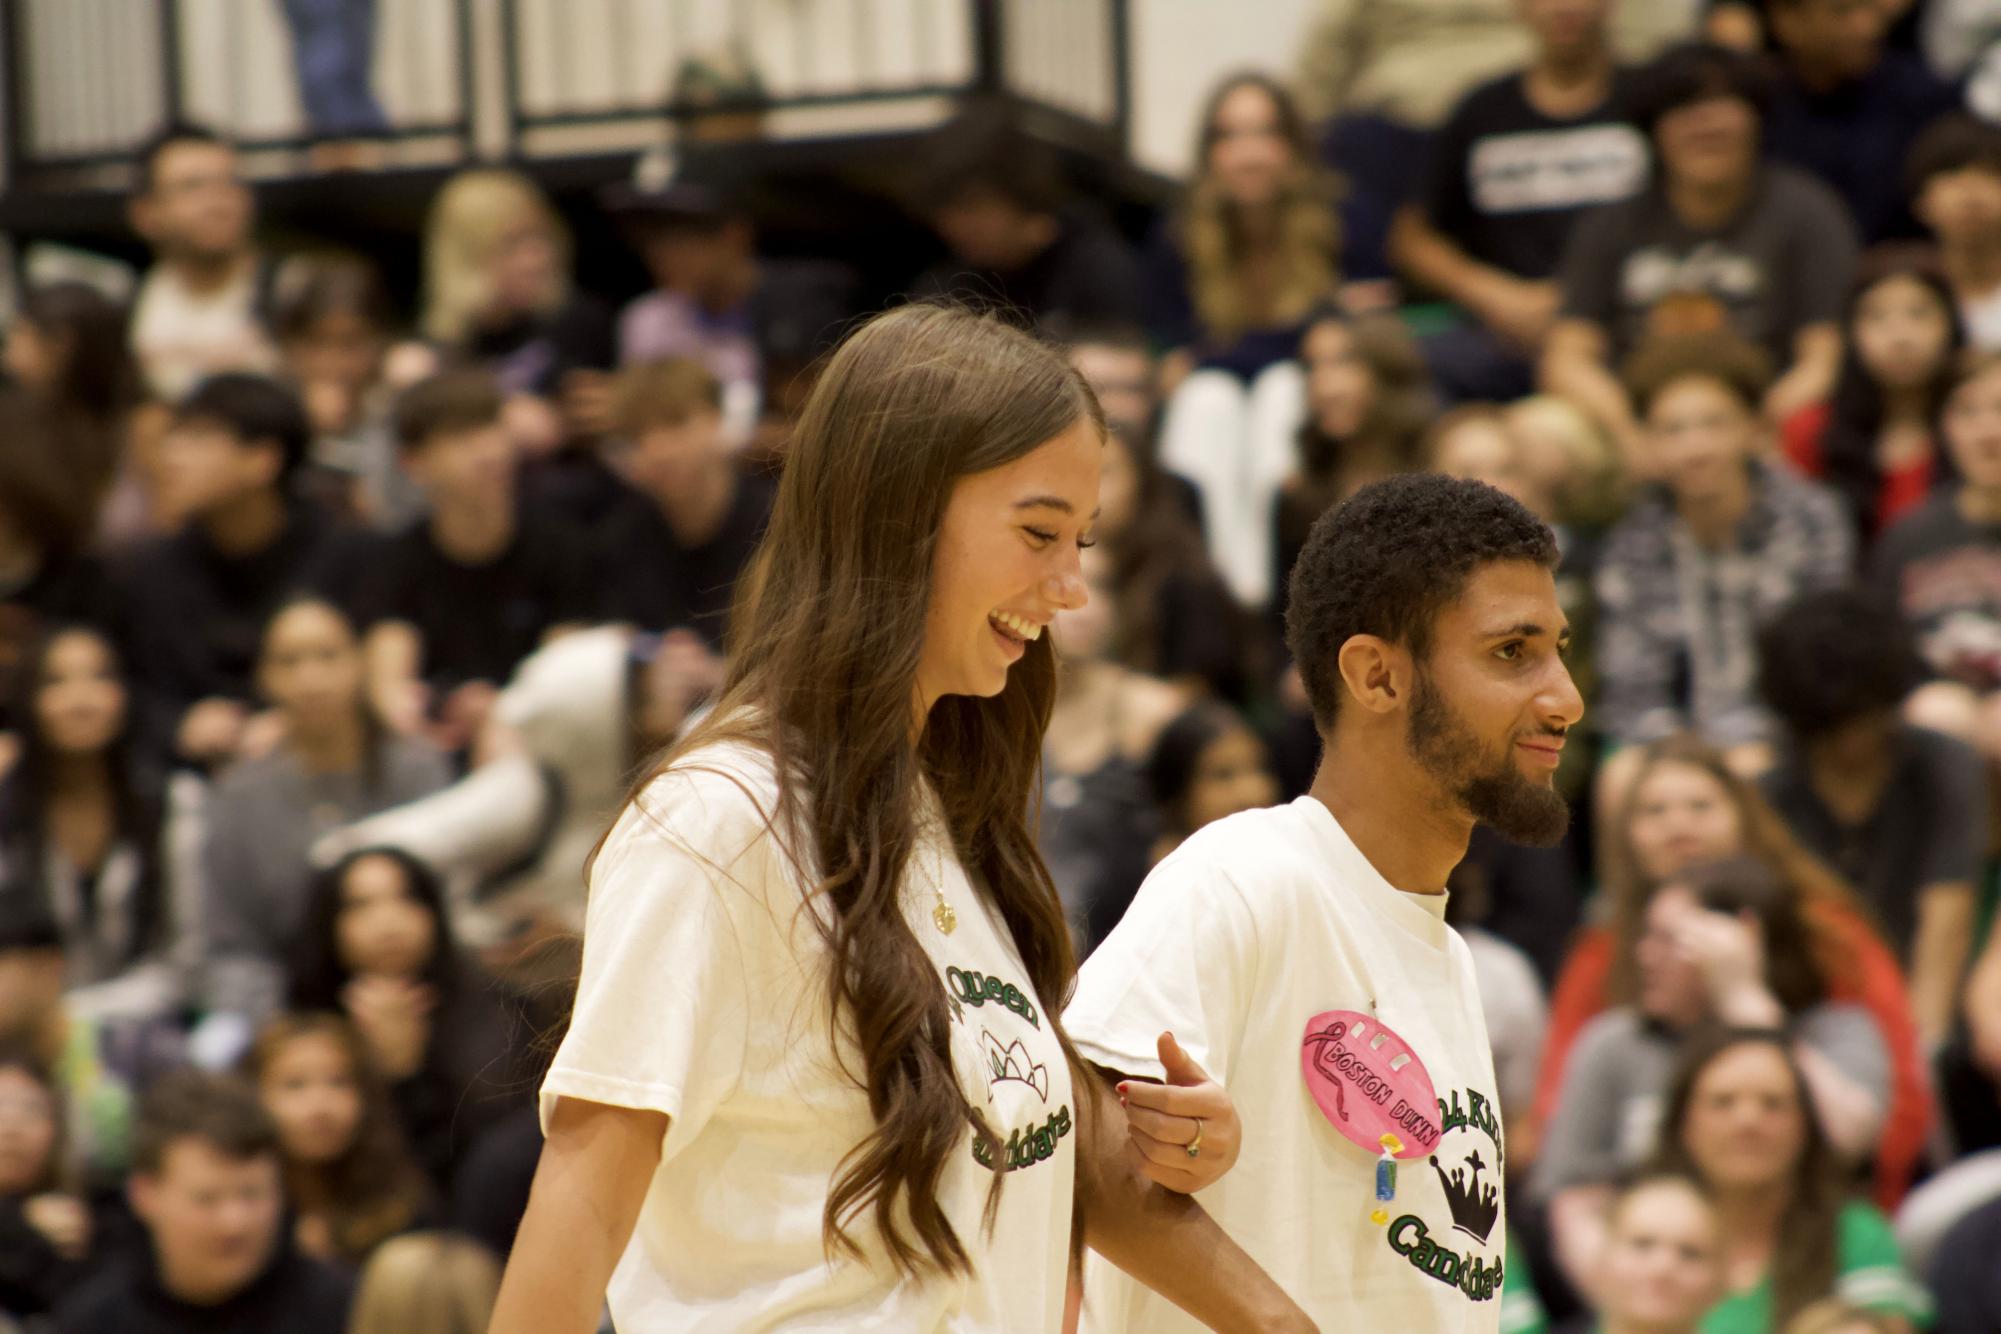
(332, 629)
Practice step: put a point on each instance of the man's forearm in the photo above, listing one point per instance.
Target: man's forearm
(1166, 1240)
(1938, 956)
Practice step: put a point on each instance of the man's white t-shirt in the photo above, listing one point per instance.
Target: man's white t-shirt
(704, 996)
(181, 337)
(1254, 926)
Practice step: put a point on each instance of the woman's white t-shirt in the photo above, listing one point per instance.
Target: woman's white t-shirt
(1254, 926)
(704, 996)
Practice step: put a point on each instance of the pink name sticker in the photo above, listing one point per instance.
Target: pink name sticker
(1368, 1083)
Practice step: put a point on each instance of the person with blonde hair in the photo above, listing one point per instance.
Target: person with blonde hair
(426, 1283)
(497, 290)
(1232, 280)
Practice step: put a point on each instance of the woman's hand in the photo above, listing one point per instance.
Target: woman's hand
(63, 1221)
(394, 1016)
(1731, 954)
(1165, 1120)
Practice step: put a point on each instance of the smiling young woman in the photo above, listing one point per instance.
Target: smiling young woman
(815, 1076)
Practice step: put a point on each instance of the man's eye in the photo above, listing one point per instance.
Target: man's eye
(1508, 652)
(1041, 535)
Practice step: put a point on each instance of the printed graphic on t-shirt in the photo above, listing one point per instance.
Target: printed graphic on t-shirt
(1692, 292)
(1017, 1084)
(1535, 170)
(1469, 1183)
(1953, 600)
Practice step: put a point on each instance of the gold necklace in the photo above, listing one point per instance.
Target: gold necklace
(942, 915)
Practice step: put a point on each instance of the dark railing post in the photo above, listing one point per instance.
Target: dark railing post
(466, 54)
(510, 75)
(1122, 79)
(989, 54)
(15, 57)
(170, 61)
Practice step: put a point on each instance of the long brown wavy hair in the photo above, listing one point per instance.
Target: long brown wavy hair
(1766, 838)
(1306, 271)
(375, 1189)
(828, 626)
(1805, 1249)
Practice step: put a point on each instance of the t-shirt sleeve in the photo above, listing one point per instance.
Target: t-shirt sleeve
(1582, 1146)
(676, 926)
(1823, 246)
(1954, 843)
(1442, 195)
(1181, 959)
(1590, 269)
(1872, 1273)
(1847, 1036)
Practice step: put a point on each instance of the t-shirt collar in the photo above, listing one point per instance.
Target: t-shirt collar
(1420, 915)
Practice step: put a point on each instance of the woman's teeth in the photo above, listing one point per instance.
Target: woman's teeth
(1016, 626)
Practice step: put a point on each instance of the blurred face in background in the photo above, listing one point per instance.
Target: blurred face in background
(1123, 380)
(1084, 633)
(1662, 1266)
(203, 465)
(31, 989)
(1232, 774)
(671, 460)
(523, 266)
(383, 927)
(1832, 39)
(1249, 154)
(1485, 450)
(1681, 815)
(214, 1219)
(310, 1087)
(1710, 144)
(1702, 437)
(1972, 424)
(340, 349)
(988, 230)
(1901, 332)
(80, 701)
(311, 668)
(1746, 1123)
(471, 467)
(196, 206)
(695, 258)
(1565, 29)
(1118, 487)
(1963, 205)
(28, 1131)
(1340, 386)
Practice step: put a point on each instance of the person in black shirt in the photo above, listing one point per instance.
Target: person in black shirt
(670, 557)
(191, 606)
(474, 587)
(998, 203)
(206, 1185)
(1846, 109)
(1518, 161)
(1899, 811)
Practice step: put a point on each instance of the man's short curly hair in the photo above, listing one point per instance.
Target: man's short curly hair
(1832, 657)
(1387, 559)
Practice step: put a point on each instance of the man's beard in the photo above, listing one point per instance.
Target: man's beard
(1494, 794)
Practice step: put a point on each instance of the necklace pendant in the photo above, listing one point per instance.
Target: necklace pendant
(944, 917)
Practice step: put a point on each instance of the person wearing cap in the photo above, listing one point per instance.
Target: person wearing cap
(755, 323)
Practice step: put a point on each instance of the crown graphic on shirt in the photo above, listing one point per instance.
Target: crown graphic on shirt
(1474, 1205)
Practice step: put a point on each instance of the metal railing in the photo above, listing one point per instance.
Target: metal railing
(89, 80)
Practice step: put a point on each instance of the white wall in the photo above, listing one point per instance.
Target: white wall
(1180, 47)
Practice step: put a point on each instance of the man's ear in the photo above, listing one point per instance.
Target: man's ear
(139, 211)
(270, 460)
(1377, 673)
(142, 1193)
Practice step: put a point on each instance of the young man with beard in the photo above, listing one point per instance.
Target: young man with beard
(1300, 954)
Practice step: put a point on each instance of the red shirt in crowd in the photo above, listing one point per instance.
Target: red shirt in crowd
(1903, 488)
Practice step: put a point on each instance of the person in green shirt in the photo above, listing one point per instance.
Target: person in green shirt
(1661, 1266)
(1738, 1121)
